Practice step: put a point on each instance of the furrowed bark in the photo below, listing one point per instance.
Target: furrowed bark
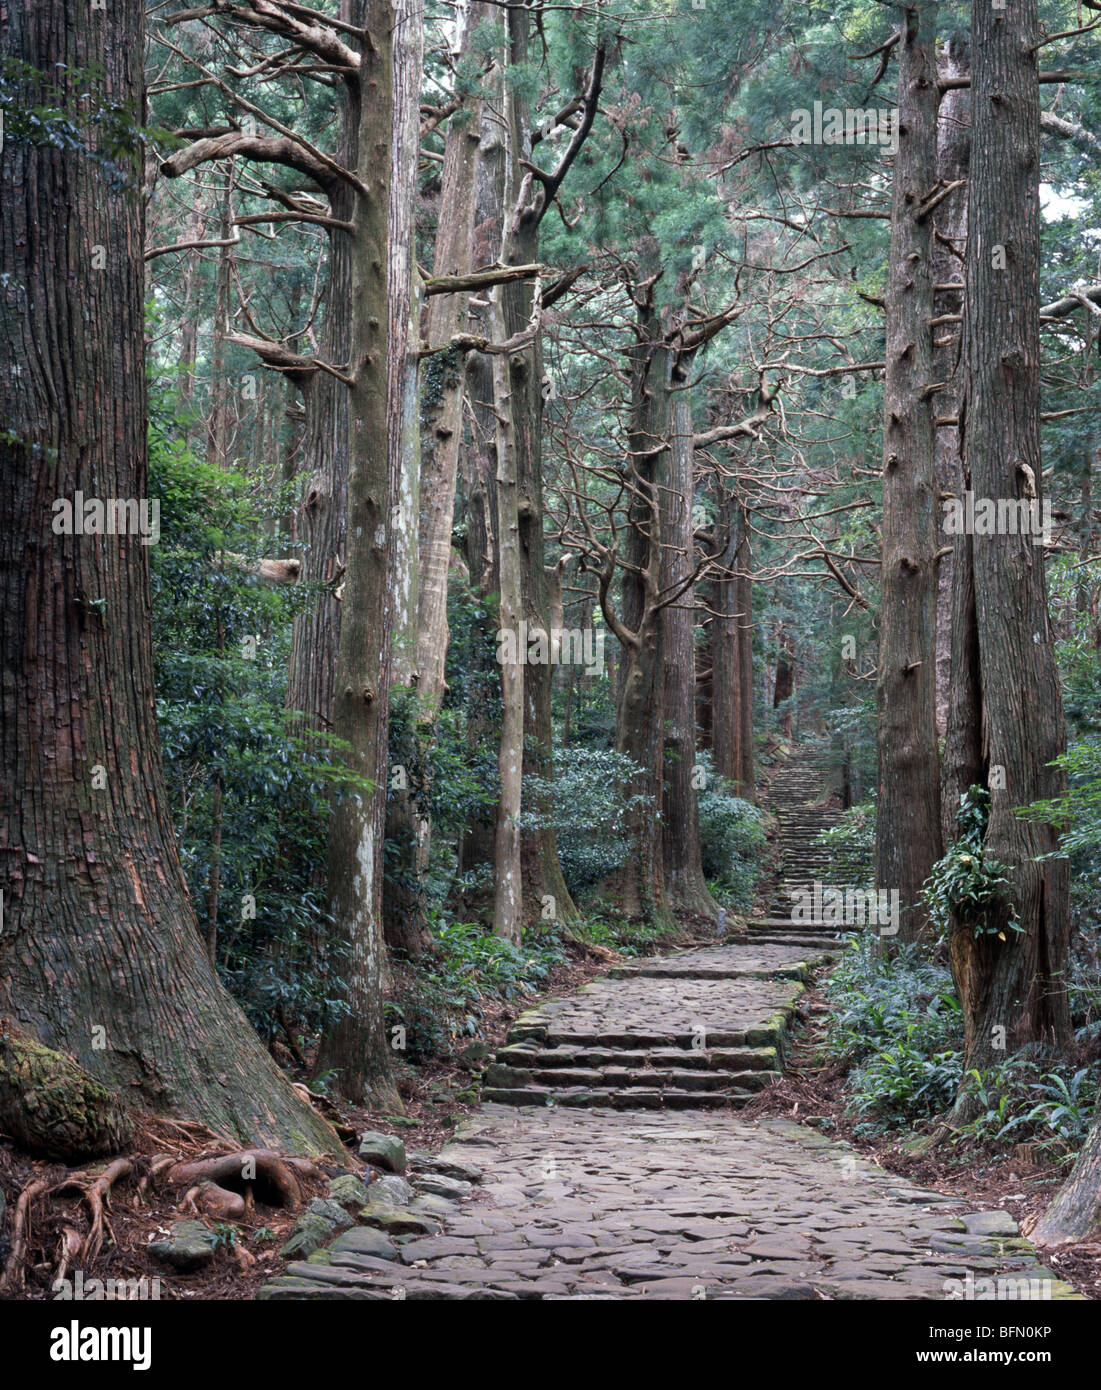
(354, 1045)
(950, 222)
(1018, 984)
(100, 956)
(685, 884)
(908, 803)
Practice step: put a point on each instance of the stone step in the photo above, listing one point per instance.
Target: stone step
(780, 923)
(737, 1059)
(795, 970)
(619, 1100)
(821, 945)
(763, 1035)
(507, 1078)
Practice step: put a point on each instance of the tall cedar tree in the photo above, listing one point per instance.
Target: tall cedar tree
(100, 954)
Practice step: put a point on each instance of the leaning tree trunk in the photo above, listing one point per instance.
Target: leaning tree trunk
(1013, 991)
(908, 801)
(100, 955)
(685, 884)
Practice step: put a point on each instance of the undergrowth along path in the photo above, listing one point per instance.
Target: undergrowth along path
(610, 1159)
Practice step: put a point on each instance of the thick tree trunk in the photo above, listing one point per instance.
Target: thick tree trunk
(479, 472)
(638, 886)
(441, 431)
(354, 1045)
(545, 895)
(908, 802)
(100, 955)
(1075, 1214)
(732, 650)
(405, 928)
(950, 221)
(217, 440)
(442, 378)
(189, 317)
(784, 685)
(1013, 992)
(685, 885)
(480, 549)
(508, 904)
(322, 510)
(743, 592)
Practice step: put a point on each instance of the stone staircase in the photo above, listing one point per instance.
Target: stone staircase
(702, 1028)
(796, 798)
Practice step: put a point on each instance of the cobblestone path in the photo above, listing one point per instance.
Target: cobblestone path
(611, 1159)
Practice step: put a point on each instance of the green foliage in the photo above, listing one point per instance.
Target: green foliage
(896, 1021)
(732, 842)
(447, 989)
(70, 113)
(589, 808)
(967, 882)
(627, 936)
(1023, 1104)
(901, 1082)
(233, 772)
(851, 844)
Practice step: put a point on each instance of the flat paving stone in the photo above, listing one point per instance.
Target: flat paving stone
(749, 1178)
(596, 1202)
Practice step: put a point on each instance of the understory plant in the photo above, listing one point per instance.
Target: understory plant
(445, 993)
(1022, 1103)
(590, 813)
(732, 842)
(851, 845)
(895, 1019)
(969, 884)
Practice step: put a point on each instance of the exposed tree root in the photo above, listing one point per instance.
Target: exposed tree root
(254, 1167)
(940, 1135)
(52, 1107)
(15, 1266)
(214, 1201)
(69, 1246)
(223, 1186)
(325, 1107)
(95, 1188)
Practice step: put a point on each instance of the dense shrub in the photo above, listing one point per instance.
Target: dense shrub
(445, 992)
(896, 1020)
(732, 844)
(589, 809)
(250, 802)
